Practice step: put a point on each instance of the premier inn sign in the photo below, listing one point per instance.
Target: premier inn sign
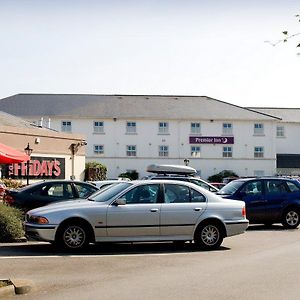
(211, 140)
(39, 168)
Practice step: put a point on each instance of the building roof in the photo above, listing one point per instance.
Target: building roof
(13, 121)
(289, 115)
(127, 106)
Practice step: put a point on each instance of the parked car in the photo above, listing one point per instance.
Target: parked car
(100, 184)
(45, 192)
(218, 185)
(140, 211)
(268, 200)
(178, 172)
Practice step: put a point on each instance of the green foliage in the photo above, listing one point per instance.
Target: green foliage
(133, 175)
(95, 171)
(12, 184)
(223, 174)
(10, 223)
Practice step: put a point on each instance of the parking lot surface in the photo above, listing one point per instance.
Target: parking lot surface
(263, 263)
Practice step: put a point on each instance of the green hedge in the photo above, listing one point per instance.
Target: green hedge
(11, 227)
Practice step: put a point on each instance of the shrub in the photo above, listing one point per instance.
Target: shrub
(95, 171)
(11, 183)
(10, 223)
(133, 175)
(223, 174)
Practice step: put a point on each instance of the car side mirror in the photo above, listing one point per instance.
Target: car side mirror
(121, 201)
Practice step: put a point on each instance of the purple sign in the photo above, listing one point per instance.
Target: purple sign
(211, 140)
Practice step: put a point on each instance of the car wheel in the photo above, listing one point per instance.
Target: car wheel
(291, 218)
(73, 237)
(209, 236)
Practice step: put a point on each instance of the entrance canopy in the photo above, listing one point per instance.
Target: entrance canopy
(9, 155)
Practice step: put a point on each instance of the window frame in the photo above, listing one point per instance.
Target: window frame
(194, 128)
(226, 153)
(163, 152)
(227, 129)
(163, 127)
(98, 128)
(259, 152)
(66, 126)
(130, 127)
(131, 150)
(98, 152)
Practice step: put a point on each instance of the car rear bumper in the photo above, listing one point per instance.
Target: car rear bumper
(236, 227)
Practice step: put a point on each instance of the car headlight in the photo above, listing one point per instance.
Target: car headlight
(37, 220)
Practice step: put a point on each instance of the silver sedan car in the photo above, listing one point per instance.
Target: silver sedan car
(140, 211)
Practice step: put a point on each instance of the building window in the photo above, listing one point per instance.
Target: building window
(258, 129)
(163, 127)
(66, 126)
(98, 149)
(258, 152)
(280, 131)
(98, 126)
(195, 128)
(227, 151)
(227, 128)
(163, 151)
(195, 151)
(131, 127)
(131, 150)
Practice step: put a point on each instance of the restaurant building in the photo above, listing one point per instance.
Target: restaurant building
(55, 155)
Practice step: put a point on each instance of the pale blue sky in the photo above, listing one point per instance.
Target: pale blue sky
(211, 47)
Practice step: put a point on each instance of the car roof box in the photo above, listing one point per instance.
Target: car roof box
(171, 169)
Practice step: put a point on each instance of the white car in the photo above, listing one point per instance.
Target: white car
(101, 184)
(140, 211)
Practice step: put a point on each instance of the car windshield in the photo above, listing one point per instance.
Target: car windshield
(109, 192)
(230, 188)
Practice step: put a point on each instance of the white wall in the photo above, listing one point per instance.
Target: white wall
(147, 141)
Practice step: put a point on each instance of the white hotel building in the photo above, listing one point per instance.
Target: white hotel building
(130, 132)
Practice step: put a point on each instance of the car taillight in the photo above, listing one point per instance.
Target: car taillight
(244, 211)
(9, 199)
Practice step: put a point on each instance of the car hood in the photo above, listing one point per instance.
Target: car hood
(65, 205)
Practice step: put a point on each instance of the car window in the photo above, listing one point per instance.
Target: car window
(275, 186)
(252, 188)
(231, 187)
(201, 183)
(55, 190)
(142, 194)
(197, 196)
(175, 193)
(109, 193)
(84, 190)
(292, 186)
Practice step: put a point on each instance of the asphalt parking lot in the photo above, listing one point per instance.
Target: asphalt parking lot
(263, 263)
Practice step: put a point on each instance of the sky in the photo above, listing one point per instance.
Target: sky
(214, 48)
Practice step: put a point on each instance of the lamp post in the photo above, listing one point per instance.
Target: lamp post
(28, 151)
(186, 161)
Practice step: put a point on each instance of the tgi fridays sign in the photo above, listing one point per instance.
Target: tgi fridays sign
(211, 140)
(39, 168)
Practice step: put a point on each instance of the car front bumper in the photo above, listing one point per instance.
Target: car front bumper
(40, 232)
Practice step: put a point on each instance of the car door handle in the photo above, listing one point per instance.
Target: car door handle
(197, 208)
(154, 209)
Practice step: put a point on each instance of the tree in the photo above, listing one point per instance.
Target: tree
(287, 36)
